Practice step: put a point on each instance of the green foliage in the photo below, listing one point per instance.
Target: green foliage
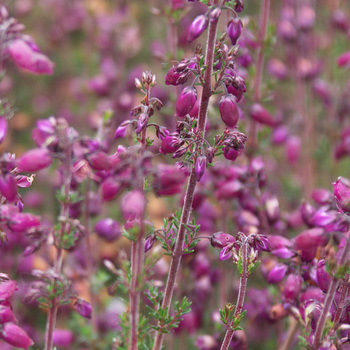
(166, 322)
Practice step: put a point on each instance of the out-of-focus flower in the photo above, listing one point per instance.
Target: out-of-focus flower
(198, 26)
(25, 57)
(35, 160)
(16, 336)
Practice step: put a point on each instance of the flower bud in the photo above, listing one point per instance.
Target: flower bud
(261, 115)
(170, 144)
(344, 60)
(16, 336)
(8, 187)
(25, 57)
(230, 153)
(293, 149)
(277, 273)
(3, 128)
(35, 160)
(83, 308)
(342, 194)
(221, 239)
(323, 278)
(197, 27)
(169, 180)
(173, 77)
(110, 189)
(226, 253)
(108, 229)
(229, 110)
(99, 161)
(292, 287)
(62, 337)
(6, 315)
(201, 165)
(186, 101)
(133, 205)
(21, 222)
(7, 289)
(120, 132)
(149, 242)
(308, 241)
(234, 29)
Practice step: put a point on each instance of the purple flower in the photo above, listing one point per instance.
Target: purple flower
(230, 153)
(221, 239)
(344, 60)
(201, 165)
(63, 337)
(3, 128)
(149, 242)
(16, 336)
(7, 289)
(170, 144)
(25, 57)
(120, 131)
(110, 188)
(169, 180)
(133, 205)
(308, 241)
(226, 252)
(186, 101)
(8, 187)
(197, 27)
(108, 229)
(35, 160)
(323, 278)
(21, 222)
(6, 314)
(292, 287)
(229, 110)
(261, 115)
(277, 273)
(83, 308)
(342, 194)
(234, 29)
(173, 77)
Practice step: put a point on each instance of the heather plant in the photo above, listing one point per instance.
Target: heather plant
(172, 188)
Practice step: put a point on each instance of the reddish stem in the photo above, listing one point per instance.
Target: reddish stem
(187, 207)
(241, 296)
(330, 297)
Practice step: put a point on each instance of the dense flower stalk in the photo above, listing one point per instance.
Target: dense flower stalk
(187, 207)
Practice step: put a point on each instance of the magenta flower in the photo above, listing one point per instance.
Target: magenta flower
(229, 110)
(7, 289)
(8, 187)
(25, 57)
(35, 160)
(221, 239)
(198, 26)
(21, 222)
(133, 205)
(342, 194)
(323, 278)
(186, 101)
(277, 273)
(6, 314)
(149, 242)
(234, 29)
(200, 167)
(3, 128)
(292, 287)
(83, 308)
(16, 336)
(108, 229)
(261, 115)
(170, 144)
(63, 337)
